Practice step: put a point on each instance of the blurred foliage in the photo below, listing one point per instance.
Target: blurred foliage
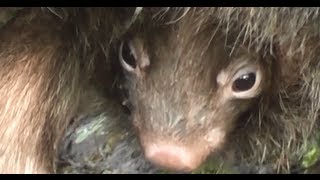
(311, 159)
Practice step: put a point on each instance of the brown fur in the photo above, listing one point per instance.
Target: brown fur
(284, 119)
(48, 60)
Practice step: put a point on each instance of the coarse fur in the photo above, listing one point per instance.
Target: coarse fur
(282, 122)
(283, 126)
(49, 58)
(59, 51)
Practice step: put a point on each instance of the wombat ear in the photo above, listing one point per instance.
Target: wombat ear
(127, 57)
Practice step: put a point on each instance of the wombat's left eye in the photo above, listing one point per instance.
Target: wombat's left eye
(127, 56)
(246, 82)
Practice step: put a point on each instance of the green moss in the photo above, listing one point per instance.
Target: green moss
(164, 172)
(83, 133)
(214, 167)
(114, 138)
(312, 155)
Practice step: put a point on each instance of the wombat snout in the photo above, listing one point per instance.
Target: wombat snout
(173, 156)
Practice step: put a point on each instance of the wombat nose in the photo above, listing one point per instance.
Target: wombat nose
(172, 157)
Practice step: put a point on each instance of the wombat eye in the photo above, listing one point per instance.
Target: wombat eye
(127, 56)
(244, 82)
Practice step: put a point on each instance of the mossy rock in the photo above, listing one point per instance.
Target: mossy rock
(102, 143)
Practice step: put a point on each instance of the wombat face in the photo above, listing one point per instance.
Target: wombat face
(186, 91)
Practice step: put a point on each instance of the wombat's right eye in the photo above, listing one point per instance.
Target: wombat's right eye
(246, 82)
(127, 56)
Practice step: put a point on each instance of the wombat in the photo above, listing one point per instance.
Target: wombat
(242, 81)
